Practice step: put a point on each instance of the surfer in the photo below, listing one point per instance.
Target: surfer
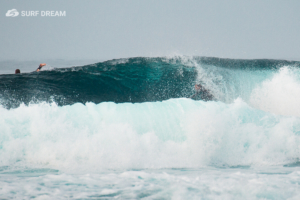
(40, 66)
(17, 71)
(203, 93)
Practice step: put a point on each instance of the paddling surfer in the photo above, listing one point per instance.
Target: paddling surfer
(18, 71)
(40, 67)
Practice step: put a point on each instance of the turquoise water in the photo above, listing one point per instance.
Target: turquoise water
(65, 140)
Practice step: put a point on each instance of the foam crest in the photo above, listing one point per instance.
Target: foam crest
(169, 134)
(279, 94)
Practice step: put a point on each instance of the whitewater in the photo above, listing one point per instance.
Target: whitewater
(128, 129)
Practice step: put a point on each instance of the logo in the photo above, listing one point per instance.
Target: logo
(36, 13)
(12, 13)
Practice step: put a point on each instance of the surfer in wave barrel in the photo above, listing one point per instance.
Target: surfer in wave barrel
(202, 93)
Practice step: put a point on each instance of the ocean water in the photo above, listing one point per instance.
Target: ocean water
(127, 129)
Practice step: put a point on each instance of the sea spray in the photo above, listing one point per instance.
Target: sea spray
(280, 93)
(178, 133)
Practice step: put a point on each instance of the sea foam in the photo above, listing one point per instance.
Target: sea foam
(177, 133)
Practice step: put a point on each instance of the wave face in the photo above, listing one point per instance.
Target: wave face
(124, 80)
(139, 80)
(134, 113)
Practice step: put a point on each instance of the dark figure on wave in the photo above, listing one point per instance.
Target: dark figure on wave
(38, 69)
(202, 94)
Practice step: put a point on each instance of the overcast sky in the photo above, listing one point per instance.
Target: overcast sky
(107, 29)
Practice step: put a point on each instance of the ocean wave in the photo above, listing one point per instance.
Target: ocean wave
(177, 133)
(141, 80)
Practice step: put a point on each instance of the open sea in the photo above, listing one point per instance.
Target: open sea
(128, 129)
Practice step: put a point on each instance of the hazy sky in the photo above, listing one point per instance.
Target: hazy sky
(106, 29)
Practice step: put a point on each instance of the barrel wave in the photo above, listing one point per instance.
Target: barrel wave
(136, 114)
(139, 80)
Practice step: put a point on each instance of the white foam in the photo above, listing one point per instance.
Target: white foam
(173, 133)
(279, 94)
(157, 184)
